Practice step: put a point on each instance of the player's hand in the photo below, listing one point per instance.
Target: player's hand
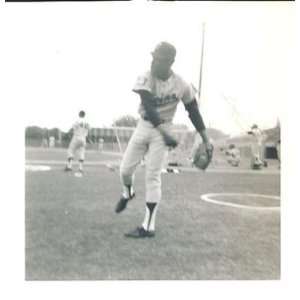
(170, 141)
(209, 149)
(89, 141)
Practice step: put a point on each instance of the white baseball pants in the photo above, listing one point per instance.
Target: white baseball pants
(77, 144)
(147, 142)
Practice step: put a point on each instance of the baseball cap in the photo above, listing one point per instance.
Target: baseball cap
(165, 49)
(82, 113)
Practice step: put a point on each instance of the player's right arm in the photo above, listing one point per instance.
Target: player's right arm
(148, 103)
(143, 88)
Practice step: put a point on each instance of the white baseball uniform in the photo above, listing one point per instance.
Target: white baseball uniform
(147, 139)
(257, 144)
(78, 142)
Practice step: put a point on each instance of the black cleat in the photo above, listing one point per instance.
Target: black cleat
(140, 232)
(121, 205)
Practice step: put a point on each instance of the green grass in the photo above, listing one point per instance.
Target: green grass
(72, 232)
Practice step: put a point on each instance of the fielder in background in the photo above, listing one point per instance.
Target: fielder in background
(257, 147)
(233, 155)
(80, 131)
(160, 90)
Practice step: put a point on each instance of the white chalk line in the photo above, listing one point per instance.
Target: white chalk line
(35, 168)
(209, 198)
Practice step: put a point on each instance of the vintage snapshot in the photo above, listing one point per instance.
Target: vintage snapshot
(153, 140)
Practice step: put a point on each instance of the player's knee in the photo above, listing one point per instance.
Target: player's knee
(125, 172)
(153, 179)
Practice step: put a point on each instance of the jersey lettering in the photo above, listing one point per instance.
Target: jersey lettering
(167, 94)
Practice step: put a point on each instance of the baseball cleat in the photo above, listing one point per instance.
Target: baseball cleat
(67, 169)
(140, 232)
(121, 205)
(79, 173)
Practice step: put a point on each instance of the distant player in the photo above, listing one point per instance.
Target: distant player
(160, 90)
(45, 140)
(257, 147)
(233, 155)
(78, 143)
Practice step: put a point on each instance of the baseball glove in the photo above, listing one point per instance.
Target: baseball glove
(203, 156)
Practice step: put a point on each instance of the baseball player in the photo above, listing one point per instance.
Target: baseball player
(160, 90)
(80, 132)
(233, 155)
(257, 146)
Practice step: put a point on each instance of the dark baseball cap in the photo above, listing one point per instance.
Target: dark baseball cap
(82, 113)
(165, 49)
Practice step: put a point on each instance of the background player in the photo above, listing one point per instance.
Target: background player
(160, 90)
(233, 155)
(257, 147)
(78, 142)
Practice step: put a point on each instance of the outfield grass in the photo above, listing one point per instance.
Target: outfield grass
(72, 232)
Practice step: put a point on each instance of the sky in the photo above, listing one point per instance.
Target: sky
(63, 58)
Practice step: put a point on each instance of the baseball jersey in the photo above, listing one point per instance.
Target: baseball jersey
(81, 128)
(167, 94)
(259, 135)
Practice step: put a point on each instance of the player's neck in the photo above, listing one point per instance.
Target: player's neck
(166, 77)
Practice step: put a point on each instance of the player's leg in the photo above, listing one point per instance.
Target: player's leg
(81, 156)
(134, 153)
(70, 155)
(255, 159)
(157, 154)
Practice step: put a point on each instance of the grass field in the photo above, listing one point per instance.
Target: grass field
(72, 232)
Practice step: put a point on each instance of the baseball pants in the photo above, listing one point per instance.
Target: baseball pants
(146, 142)
(77, 145)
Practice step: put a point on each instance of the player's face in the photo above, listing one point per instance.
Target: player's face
(161, 66)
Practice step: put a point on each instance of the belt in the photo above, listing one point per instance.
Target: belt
(147, 119)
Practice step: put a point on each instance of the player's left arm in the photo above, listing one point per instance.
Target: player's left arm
(88, 136)
(89, 140)
(197, 120)
(191, 106)
(70, 133)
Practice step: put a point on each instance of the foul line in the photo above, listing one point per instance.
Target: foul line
(35, 168)
(209, 198)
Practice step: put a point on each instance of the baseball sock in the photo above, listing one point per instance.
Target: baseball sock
(127, 191)
(149, 221)
(70, 161)
(80, 164)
